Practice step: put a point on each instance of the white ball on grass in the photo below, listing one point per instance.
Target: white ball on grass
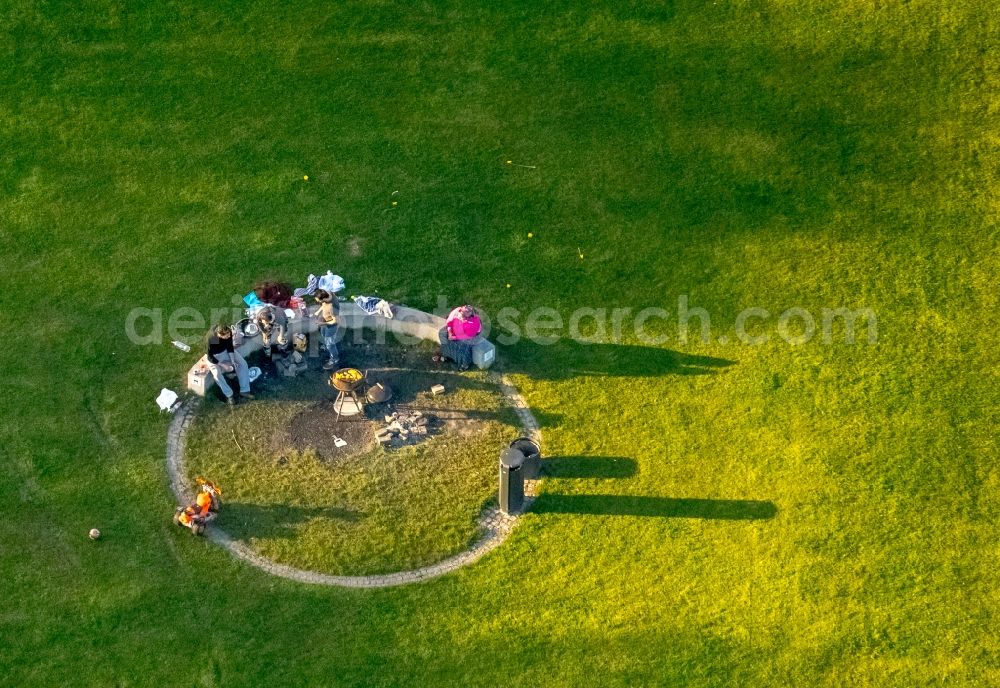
(94, 533)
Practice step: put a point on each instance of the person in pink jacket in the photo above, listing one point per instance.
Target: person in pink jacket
(457, 336)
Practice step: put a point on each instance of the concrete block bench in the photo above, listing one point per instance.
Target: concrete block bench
(407, 323)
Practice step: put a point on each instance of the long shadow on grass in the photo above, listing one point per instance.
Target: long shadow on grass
(661, 507)
(273, 521)
(568, 358)
(599, 467)
(406, 381)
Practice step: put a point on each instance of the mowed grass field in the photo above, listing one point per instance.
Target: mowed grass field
(745, 154)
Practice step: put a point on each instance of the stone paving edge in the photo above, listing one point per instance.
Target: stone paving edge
(495, 525)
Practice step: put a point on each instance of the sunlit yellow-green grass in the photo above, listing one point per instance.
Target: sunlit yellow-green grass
(820, 514)
(377, 511)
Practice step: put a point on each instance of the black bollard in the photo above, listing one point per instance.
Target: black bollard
(511, 481)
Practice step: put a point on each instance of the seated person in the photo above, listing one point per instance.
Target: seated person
(223, 358)
(457, 336)
(273, 324)
(328, 314)
(195, 516)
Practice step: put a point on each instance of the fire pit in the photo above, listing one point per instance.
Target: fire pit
(347, 381)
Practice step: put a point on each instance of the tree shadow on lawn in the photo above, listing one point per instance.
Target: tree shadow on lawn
(568, 358)
(272, 521)
(596, 467)
(662, 507)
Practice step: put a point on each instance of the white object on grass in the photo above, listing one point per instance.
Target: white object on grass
(331, 282)
(166, 400)
(254, 373)
(339, 442)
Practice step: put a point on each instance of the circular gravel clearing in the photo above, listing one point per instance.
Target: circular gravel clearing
(496, 526)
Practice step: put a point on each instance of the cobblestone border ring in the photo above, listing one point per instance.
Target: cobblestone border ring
(495, 524)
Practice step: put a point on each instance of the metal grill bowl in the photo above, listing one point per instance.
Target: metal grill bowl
(347, 379)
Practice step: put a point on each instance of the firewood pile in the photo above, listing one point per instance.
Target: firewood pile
(406, 426)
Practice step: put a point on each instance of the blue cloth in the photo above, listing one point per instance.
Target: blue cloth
(252, 300)
(311, 285)
(369, 304)
(331, 282)
(373, 305)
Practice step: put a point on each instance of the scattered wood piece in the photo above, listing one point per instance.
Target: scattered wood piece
(238, 442)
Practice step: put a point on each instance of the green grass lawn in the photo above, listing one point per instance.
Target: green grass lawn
(841, 522)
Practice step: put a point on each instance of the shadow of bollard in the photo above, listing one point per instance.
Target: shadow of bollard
(594, 467)
(657, 507)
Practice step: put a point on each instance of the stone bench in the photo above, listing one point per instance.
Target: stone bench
(407, 323)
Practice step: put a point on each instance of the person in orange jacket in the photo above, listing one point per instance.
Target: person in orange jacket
(196, 516)
(188, 517)
(203, 503)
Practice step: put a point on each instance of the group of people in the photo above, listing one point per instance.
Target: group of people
(272, 323)
(462, 326)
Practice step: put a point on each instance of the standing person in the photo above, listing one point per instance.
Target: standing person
(328, 314)
(222, 358)
(273, 324)
(461, 328)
